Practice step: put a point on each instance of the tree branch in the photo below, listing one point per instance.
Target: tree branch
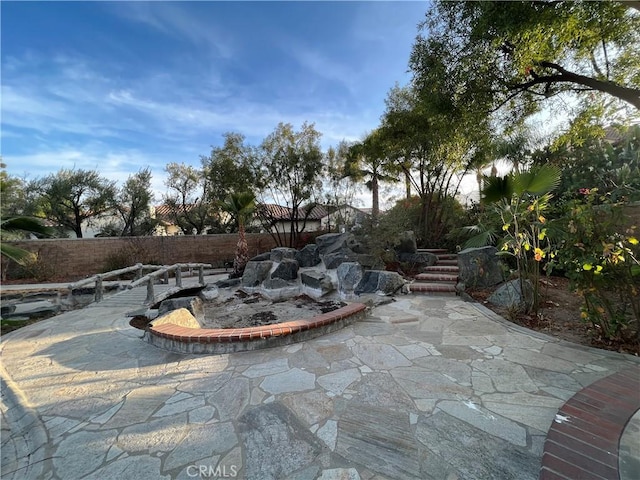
(627, 94)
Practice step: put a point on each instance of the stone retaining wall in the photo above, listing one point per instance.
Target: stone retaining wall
(75, 258)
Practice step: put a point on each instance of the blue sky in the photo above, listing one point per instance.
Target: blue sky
(118, 86)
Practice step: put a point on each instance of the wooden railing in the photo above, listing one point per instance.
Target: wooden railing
(139, 279)
(176, 269)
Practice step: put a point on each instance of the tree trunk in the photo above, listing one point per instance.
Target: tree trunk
(407, 183)
(242, 253)
(375, 200)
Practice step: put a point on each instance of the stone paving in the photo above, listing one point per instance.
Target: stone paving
(424, 388)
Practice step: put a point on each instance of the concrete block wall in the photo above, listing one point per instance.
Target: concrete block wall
(76, 258)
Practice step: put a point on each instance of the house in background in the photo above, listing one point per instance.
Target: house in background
(276, 219)
(344, 216)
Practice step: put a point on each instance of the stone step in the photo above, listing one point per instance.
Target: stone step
(436, 277)
(442, 268)
(447, 256)
(421, 287)
(451, 262)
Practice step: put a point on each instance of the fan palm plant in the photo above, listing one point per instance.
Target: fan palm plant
(12, 228)
(241, 207)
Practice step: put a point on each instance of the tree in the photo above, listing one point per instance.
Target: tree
(292, 164)
(434, 136)
(241, 207)
(188, 200)
(232, 168)
(530, 51)
(71, 197)
(12, 193)
(339, 188)
(133, 203)
(368, 160)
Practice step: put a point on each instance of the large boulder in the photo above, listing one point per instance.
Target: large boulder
(255, 273)
(181, 317)
(261, 257)
(286, 270)
(369, 262)
(406, 243)
(381, 281)
(479, 267)
(280, 253)
(337, 242)
(424, 259)
(308, 256)
(349, 276)
(511, 296)
(334, 260)
(193, 304)
(275, 284)
(317, 280)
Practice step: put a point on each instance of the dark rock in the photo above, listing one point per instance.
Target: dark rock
(349, 275)
(275, 283)
(334, 260)
(511, 297)
(406, 243)
(7, 309)
(255, 273)
(287, 270)
(337, 242)
(369, 262)
(229, 282)
(308, 256)
(260, 258)
(425, 259)
(280, 253)
(317, 280)
(380, 281)
(193, 304)
(480, 267)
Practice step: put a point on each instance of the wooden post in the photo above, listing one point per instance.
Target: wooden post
(97, 295)
(166, 277)
(179, 276)
(201, 275)
(139, 272)
(150, 294)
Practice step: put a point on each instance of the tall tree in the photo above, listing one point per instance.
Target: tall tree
(292, 164)
(133, 203)
(526, 52)
(368, 160)
(71, 197)
(188, 198)
(12, 193)
(339, 188)
(232, 168)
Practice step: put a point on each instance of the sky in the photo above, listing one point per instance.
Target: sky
(120, 86)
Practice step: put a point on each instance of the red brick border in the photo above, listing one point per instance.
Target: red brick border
(583, 441)
(226, 335)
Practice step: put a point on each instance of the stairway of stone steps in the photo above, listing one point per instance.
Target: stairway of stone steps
(440, 278)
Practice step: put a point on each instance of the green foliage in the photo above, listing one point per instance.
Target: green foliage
(241, 207)
(232, 168)
(599, 254)
(133, 203)
(292, 166)
(521, 54)
(12, 194)
(521, 200)
(608, 161)
(187, 199)
(70, 197)
(134, 251)
(15, 228)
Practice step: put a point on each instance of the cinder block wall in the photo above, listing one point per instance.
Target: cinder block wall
(78, 258)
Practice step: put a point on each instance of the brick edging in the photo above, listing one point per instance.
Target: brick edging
(224, 335)
(584, 438)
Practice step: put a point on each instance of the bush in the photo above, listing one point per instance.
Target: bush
(600, 256)
(127, 256)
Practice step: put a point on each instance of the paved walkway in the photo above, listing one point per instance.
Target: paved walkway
(425, 388)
